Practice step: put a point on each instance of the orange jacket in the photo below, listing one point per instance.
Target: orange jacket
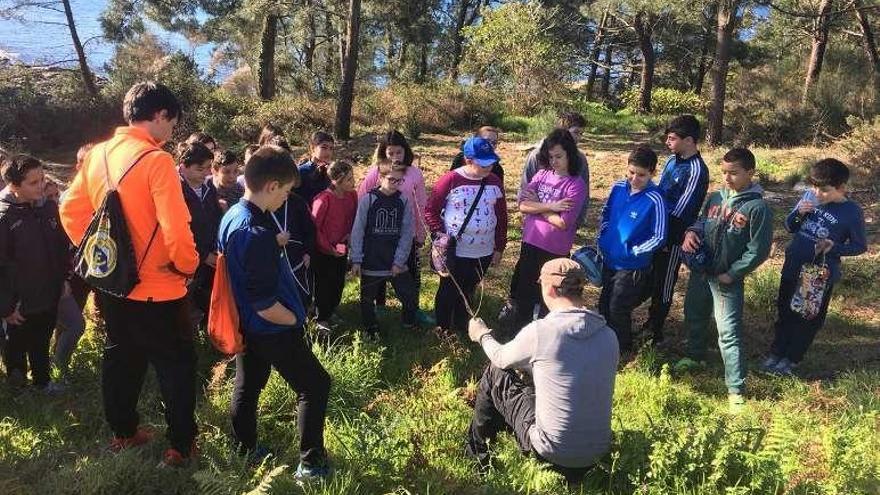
(151, 192)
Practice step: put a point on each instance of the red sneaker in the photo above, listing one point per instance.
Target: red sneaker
(174, 459)
(140, 437)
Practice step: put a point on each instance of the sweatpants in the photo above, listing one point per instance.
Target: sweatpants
(414, 266)
(289, 354)
(141, 333)
(70, 327)
(505, 402)
(622, 292)
(794, 334)
(666, 264)
(525, 290)
(27, 346)
(404, 288)
(449, 307)
(707, 297)
(329, 283)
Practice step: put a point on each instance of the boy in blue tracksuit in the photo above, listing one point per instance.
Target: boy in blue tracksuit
(271, 313)
(633, 228)
(683, 183)
(825, 221)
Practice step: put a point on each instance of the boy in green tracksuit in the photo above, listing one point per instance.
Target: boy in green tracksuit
(730, 240)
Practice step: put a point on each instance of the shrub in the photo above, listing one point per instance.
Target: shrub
(861, 145)
(666, 101)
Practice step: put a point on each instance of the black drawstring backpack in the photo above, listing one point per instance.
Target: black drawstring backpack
(105, 258)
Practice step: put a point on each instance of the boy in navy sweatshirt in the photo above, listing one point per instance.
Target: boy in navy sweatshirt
(195, 161)
(825, 221)
(633, 228)
(271, 314)
(297, 230)
(381, 240)
(683, 183)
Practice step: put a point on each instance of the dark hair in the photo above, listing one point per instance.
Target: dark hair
(269, 131)
(741, 156)
(145, 99)
(224, 158)
(568, 120)
(829, 172)
(643, 157)
(249, 151)
(393, 138)
(684, 126)
(267, 164)
(16, 167)
(339, 169)
(279, 141)
(195, 153)
(81, 154)
(563, 138)
(201, 137)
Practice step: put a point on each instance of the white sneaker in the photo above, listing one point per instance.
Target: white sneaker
(770, 363)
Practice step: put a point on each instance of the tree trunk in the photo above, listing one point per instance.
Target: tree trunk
(644, 29)
(310, 41)
(869, 44)
(594, 55)
(703, 67)
(606, 76)
(422, 74)
(727, 21)
(266, 70)
(819, 43)
(330, 61)
(87, 77)
(346, 89)
(458, 38)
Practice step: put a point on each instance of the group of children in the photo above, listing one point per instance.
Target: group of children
(290, 234)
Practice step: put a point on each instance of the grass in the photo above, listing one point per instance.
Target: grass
(398, 411)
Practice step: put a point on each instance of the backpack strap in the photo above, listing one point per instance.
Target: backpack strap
(470, 212)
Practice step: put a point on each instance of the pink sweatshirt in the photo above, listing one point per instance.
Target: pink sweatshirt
(412, 188)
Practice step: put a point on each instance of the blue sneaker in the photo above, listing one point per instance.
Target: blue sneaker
(424, 319)
(311, 473)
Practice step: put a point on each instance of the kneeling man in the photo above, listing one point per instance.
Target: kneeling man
(552, 385)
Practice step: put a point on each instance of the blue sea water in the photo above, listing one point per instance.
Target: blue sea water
(45, 39)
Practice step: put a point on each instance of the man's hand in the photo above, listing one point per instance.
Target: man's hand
(824, 245)
(396, 270)
(477, 329)
(805, 207)
(211, 260)
(691, 242)
(282, 238)
(496, 258)
(15, 318)
(356, 269)
(725, 279)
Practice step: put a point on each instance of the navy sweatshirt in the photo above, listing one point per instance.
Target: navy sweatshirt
(633, 226)
(295, 218)
(684, 183)
(313, 180)
(843, 223)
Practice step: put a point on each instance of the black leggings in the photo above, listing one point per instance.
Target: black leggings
(28, 343)
(794, 334)
(449, 308)
(524, 287)
(329, 283)
(414, 265)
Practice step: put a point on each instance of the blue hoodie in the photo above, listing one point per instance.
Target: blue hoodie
(633, 226)
(684, 183)
(258, 273)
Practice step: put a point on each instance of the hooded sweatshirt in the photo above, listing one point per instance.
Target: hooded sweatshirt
(34, 255)
(572, 356)
(633, 226)
(748, 231)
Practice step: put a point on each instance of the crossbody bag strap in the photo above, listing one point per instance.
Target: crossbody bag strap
(111, 186)
(473, 208)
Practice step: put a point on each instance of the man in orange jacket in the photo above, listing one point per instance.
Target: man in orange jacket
(151, 324)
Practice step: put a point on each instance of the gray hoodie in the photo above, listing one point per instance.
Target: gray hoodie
(572, 355)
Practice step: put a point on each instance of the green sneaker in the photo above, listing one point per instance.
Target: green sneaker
(686, 365)
(736, 403)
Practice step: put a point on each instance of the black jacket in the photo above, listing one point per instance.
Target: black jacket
(34, 256)
(296, 213)
(206, 214)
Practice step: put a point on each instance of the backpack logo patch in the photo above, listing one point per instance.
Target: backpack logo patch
(100, 251)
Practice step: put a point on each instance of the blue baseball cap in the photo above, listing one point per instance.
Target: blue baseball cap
(480, 151)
